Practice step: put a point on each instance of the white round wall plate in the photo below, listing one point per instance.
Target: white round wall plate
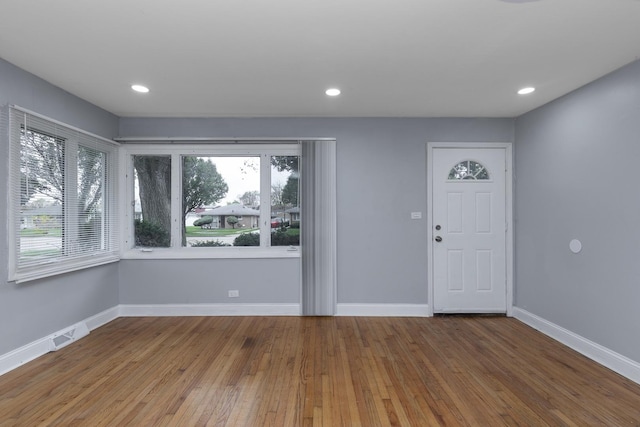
(575, 245)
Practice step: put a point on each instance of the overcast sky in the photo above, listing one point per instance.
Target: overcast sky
(242, 174)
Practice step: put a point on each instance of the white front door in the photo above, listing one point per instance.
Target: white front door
(469, 230)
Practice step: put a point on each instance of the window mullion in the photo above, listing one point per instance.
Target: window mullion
(104, 240)
(70, 197)
(127, 208)
(265, 200)
(176, 200)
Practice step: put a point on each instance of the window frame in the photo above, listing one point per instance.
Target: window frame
(263, 149)
(73, 139)
(473, 178)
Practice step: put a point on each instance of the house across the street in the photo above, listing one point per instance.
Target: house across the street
(247, 217)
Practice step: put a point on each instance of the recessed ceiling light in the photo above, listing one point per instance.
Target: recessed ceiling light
(333, 92)
(526, 90)
(140, 88)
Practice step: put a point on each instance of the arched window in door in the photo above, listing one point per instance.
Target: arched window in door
(469, 170)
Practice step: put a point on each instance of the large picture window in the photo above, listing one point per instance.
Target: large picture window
(63, 198)
(219, 200)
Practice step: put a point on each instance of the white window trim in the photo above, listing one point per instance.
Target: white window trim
(61, 265)
(264, 149)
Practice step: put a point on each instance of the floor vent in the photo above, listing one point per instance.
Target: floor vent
(66, 337)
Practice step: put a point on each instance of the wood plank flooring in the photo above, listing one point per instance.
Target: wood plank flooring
(316, 371)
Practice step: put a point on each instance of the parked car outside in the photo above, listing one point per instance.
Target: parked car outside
(279, 222)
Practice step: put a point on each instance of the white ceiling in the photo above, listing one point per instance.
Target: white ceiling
(250, 58)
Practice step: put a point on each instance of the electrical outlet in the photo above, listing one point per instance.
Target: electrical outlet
(234, 294)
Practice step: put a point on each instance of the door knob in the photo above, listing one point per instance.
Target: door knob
(438, 239)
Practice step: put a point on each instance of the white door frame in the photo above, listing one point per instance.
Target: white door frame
(507, 146)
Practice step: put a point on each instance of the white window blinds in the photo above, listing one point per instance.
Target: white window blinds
(63, 208)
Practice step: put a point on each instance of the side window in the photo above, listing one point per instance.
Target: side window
(285, 201)
(63, 198)
(152, 206)
(92, 215)
(42, 225)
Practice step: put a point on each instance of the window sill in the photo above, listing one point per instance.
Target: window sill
(212, 253)
(42, 271)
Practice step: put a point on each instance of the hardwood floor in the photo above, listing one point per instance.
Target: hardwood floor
(320, 371)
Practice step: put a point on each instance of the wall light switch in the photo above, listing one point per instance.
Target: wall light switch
(416, 215)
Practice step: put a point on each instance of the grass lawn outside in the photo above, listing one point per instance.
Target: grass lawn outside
(41, 253)
(216, 232)
(37, 232)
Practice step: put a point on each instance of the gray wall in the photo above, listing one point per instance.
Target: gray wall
(207, 281)
(381, 168)
(576, 163)
(31, 311)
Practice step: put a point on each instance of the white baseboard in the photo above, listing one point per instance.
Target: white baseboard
(100, 319)
(604, 356)
(26, 353)
(35, 349)
(383, 310)
(137, 310)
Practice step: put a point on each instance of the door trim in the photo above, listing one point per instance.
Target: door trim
(508, 147)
